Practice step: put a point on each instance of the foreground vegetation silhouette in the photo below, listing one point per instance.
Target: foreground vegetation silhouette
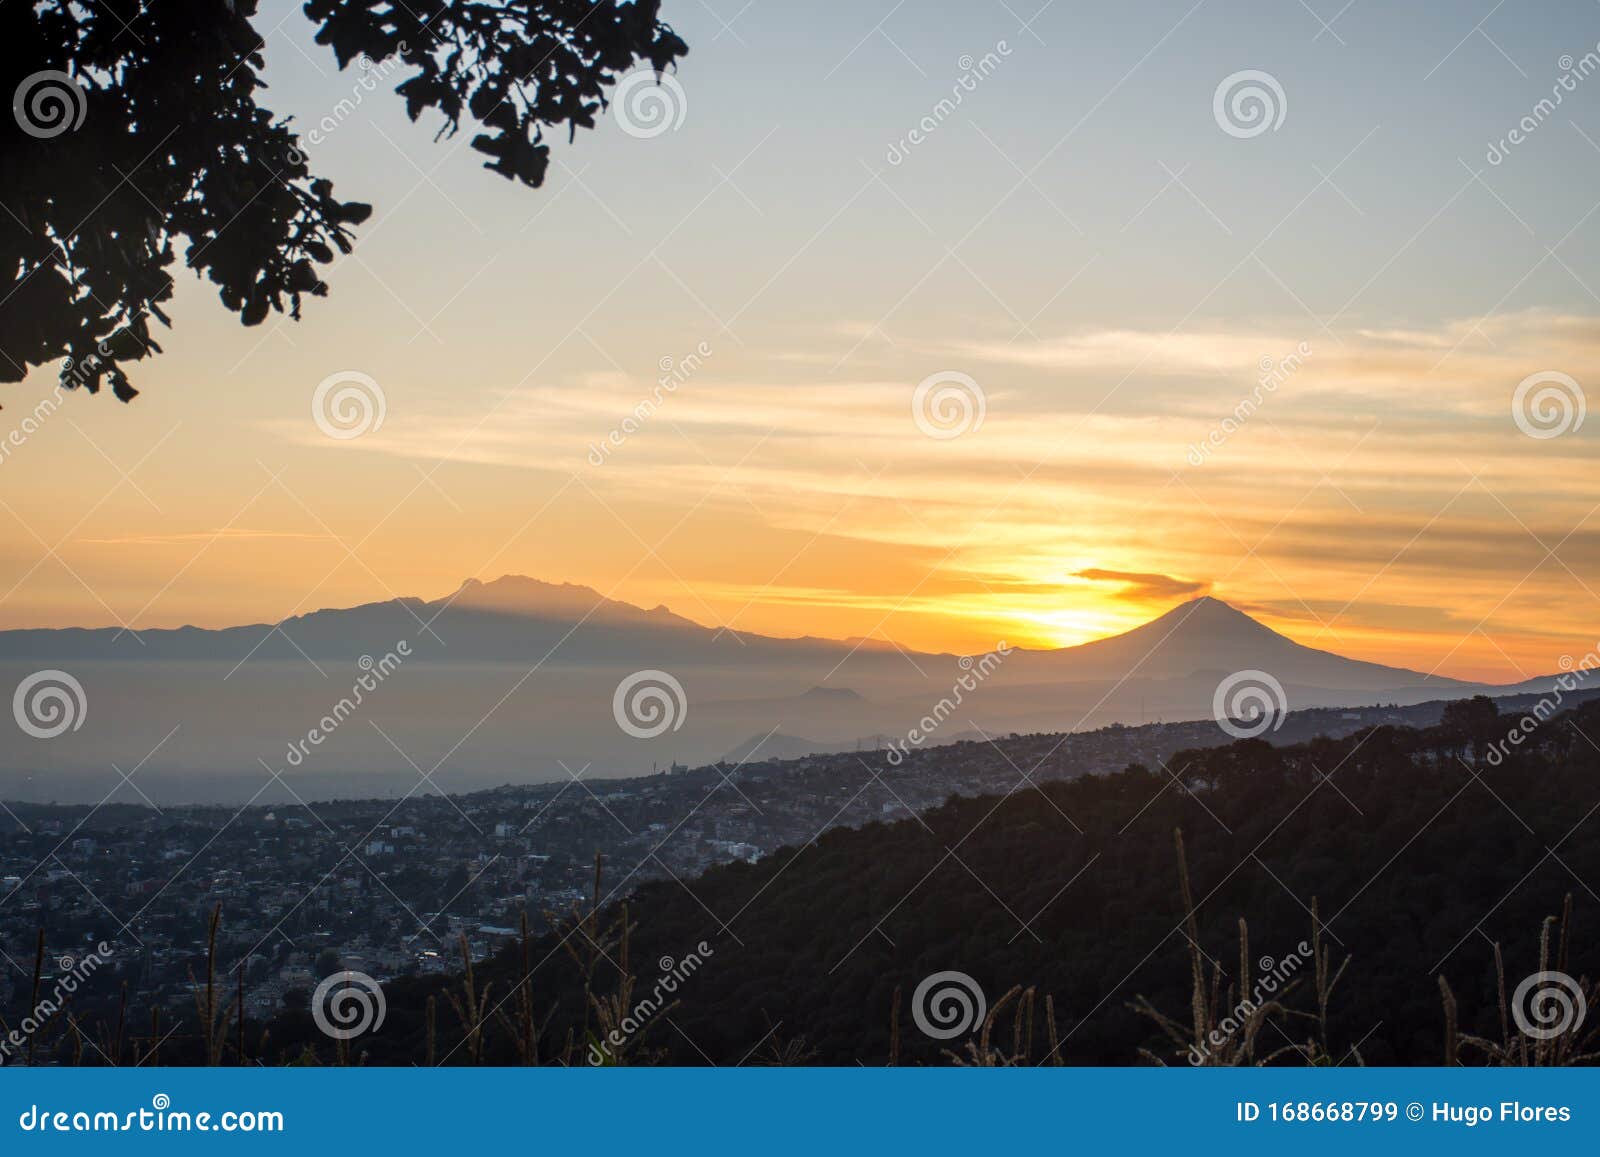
(139, 127)
(1416, 875)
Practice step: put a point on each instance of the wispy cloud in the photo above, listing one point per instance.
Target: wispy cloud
(1144, 586)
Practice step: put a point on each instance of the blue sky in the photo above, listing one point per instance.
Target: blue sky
(1081, 239)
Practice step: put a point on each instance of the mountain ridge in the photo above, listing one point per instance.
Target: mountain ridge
(518, 679)
(1192, 635)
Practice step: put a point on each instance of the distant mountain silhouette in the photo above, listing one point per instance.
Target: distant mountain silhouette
(512, 619)
(1207, 635)
(524, 597)
(515, 680)
(519, 619)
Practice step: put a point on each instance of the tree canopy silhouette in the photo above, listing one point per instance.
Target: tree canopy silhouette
(138, 128)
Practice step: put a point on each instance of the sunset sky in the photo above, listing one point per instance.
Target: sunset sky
(1079, 238)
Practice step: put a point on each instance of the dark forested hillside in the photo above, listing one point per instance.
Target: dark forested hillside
(1420, 848)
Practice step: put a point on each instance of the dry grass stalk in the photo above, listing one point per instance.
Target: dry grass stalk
(773, 1051)
(981, 1053)
(38, 975)
(1205, 1040)
(894, 1030)
(519, 1023)
(1325, 978)
(470, 1005)
(213, 1018)
(1572, 1045)
(152, 1052)
(615, 1043)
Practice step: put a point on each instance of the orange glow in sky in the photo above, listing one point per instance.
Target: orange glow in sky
(753, 371)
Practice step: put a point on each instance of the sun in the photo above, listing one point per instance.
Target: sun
(1068, 626)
